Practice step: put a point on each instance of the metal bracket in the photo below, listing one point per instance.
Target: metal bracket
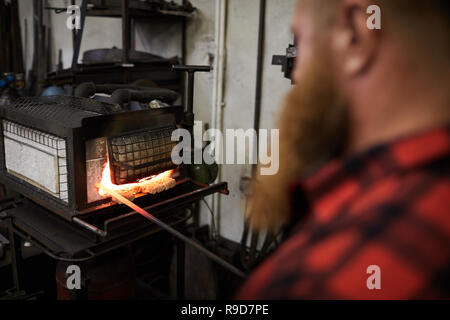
(190, 70)
(287, 61)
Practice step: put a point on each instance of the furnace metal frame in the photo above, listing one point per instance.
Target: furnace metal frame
(56, 116)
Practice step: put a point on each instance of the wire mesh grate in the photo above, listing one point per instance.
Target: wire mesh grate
(141, 155)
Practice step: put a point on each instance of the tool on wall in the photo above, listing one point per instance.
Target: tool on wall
(287, 61)
(11, 58)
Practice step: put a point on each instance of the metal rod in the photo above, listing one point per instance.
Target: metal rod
(219, 88)
(171, 230)
(203, 185)
(74, 31)
(16, 256)
(79, 36)
(125, 32)
(259, 72)
(90, 227)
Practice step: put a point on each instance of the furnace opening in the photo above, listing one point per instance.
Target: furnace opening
(150, 185)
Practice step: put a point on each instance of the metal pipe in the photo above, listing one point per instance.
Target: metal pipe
(38, 41)
(258, 92)
(16, 255)
(259, 73)
(90, 227)
(125, 32)
(79, 36)
(121, 96)
(85, 90)
(218, 88)
(88, 89)
(74, 31)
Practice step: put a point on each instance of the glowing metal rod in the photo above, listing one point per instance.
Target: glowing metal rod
(171, 230)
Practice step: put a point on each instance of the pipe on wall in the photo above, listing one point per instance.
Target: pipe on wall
(259, 73)
(219, 86)
(255, 235)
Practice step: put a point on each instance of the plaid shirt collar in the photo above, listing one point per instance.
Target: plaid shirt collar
(402, 155)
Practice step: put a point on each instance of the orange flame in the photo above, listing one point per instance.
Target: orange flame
(135, 187)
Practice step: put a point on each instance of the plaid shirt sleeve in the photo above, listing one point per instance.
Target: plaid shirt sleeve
(379, 228)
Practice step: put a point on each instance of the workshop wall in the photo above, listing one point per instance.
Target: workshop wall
(242, 42)
(240, 72)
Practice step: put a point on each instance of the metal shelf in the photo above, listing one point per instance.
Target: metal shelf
(138, 13)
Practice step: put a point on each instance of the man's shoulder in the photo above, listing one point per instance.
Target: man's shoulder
(401, 224)
(420, 195)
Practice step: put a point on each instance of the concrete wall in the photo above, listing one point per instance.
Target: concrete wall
(240, 72)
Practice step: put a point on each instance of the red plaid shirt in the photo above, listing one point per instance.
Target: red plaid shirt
(388, 207)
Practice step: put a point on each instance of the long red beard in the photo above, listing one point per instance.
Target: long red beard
(313, 128)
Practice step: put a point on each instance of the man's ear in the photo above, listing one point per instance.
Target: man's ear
(355, 44)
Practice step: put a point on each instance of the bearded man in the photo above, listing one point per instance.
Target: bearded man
(363, 188)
